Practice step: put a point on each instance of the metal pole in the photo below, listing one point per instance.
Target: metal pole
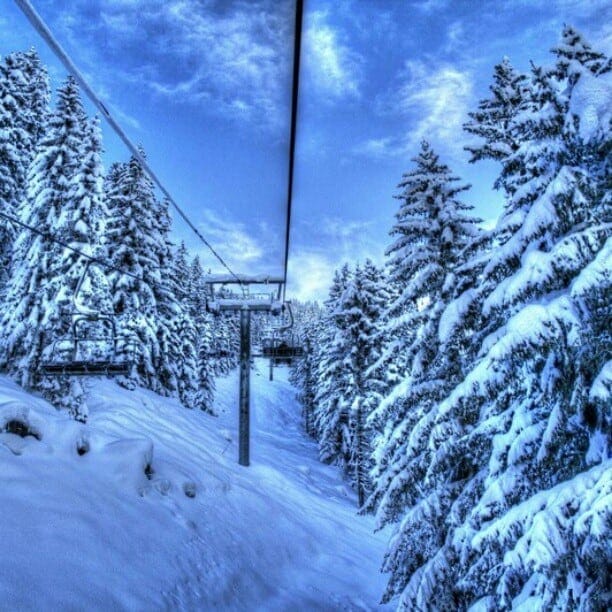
(271, 369)
(245, 372)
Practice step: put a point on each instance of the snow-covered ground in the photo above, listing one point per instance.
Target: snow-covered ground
(92, 531)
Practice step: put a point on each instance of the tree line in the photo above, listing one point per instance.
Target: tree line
(465, 388)
(53, 180)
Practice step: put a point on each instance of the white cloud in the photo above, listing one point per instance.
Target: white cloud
(434, 102)
(309, 275)
(232, 56)
(333, 69)
(381, 147)
(430, 6)
(239, 56)
(441, 97)
(455, 36)
(343, 229)
(230, 238)
(311, 268)
(579, 8)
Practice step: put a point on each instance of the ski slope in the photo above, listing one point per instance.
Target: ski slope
(93, 531)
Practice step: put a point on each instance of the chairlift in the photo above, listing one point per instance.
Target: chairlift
(282, 347)
(83, 352)
(221, 349)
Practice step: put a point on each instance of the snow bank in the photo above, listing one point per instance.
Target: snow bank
(145, 508)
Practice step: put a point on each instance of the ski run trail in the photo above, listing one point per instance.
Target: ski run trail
(146, 507)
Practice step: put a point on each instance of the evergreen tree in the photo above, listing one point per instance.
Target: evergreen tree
(443, 237)
(186, 335)
(493, 121)
(335, 391)
(136, 245)
(331, 417)
(175, 362)
(524, 432)
(64, 199)
(204, 324)
(360, 310)
(153, 310)
(24, 100)
(304, 371)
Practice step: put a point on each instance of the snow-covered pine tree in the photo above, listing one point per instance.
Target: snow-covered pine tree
(525, 437)
(185, 329)
(36, 92)
(303, 375)
(226, 338)
(24, 106)
(493, 121)
(205, 395)
(443, 236)
(136, 244)
(304, 370)
(64, 198)
(416, 271)
(330, 418)
(401, 318)
(176, 359)
(204, 324)
(358, 313)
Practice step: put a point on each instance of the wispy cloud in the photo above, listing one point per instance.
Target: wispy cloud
(237, 57)
(229, 57)
(455, 36)
(248, 247)
(231, 239)
(433, 100)
(579, 8)
(430, 6)
(343, 229)
(332, 68)
(310, 274)
(312, 261)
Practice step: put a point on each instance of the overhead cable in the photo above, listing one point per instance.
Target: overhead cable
(299, 10)
(37, 22)
(49, 236)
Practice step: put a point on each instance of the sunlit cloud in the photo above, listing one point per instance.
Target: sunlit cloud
(440, 97)
(238, 58)
(579, 8)
(310, 274)
(434, 102)
(430, 6)
(312, 263)
(343, 229)
(332, 68)
(455, 36)
(229, 58)
(231, 239)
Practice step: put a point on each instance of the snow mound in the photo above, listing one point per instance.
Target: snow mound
(145, 507)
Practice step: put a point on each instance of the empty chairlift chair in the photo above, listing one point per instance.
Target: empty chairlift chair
(282, 347)
(91, 347)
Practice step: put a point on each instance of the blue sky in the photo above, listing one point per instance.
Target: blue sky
(204, 85)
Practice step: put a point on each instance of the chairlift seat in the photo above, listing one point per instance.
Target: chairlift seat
(85, 368)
